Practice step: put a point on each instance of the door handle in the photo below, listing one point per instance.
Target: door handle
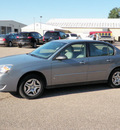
(82, 62)
(108, 60)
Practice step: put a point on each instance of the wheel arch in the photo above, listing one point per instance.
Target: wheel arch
(118, 67)
(41, 75)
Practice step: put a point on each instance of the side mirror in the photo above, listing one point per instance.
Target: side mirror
(61, 58)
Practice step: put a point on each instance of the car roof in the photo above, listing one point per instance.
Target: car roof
(81, 40)
(54, 31)
(28, 32)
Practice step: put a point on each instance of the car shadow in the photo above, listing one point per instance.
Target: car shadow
(74, 89)
(54, 92)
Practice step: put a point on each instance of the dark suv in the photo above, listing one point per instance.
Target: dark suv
(29, 38)
(53, 35)
(8, 39)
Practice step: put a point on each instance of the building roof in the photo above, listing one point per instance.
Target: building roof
(42, 26)
(10, 21)
(85, 23)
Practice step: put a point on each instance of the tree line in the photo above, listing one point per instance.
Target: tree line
(114, 13)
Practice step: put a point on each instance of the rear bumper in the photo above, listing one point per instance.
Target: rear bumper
(23, 43)
(2, 43)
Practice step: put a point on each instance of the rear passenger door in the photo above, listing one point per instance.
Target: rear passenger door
(100, 60)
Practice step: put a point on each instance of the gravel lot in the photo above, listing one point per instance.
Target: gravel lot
(91, 107)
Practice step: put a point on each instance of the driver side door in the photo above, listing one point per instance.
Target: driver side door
(74, 68)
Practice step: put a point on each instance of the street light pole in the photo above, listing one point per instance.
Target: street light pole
(34, 22)
(40, 21)
(119, 14)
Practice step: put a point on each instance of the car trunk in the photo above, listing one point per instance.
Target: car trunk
(2, 39)
(51, 36)
(24, 37)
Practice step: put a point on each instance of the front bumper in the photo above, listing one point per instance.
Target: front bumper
(8, 83)
(2, 86)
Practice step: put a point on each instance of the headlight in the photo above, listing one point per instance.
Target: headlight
(5, 68)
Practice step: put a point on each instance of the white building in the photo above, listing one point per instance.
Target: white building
(42, 28)
(87, 25)
(7, 26)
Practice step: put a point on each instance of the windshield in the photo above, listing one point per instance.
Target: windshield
(47, 50)
(51, 34)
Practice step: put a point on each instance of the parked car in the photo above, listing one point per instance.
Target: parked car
(8, 39)
(29, 38)
(72, 36)
(110, 39)
(60, 63)
(54, 35)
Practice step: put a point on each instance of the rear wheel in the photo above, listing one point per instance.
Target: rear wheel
(10, 44)
(20, 45)
(114, 79)
(31, 87)
(34, 45)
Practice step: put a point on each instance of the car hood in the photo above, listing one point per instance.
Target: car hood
(25, 59)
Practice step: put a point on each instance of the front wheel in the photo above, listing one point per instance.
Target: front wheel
(114, 79)
(31, 87)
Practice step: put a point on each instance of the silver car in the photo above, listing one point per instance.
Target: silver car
(60, 63)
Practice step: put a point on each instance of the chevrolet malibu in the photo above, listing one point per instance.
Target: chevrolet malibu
(60, 63)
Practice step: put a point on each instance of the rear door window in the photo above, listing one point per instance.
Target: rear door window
(99, 49)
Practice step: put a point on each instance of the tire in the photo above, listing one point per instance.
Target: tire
(34, 45)
(31, 87)
(20, 45)
(10, 44)
(114, 79)
(7, 44)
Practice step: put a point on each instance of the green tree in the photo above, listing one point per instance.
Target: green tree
(114, 13)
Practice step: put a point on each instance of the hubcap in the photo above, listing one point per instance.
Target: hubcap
(35, 45)
(32, 87)
(116, 78)
(10, 44)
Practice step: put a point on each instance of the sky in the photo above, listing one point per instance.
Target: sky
(29, 11)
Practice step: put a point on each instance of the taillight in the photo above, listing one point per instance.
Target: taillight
(4, 39)
(43, 38)
(29, 37)
(59, 38)
(17, 37)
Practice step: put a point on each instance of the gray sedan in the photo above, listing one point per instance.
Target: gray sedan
(60, 63)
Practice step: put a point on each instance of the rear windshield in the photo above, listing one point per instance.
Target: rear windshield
(73, 35)
(24, 34)
(2, 35)
(52, 34)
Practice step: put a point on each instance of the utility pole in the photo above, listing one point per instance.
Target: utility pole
(40, 21)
